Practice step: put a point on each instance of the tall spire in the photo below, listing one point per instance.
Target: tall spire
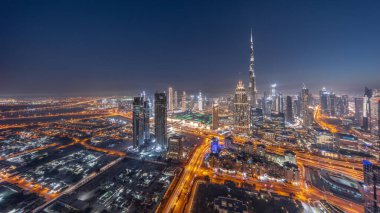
(251, 37)
(252, 80)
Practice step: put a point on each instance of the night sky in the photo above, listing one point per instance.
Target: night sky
(110, 47)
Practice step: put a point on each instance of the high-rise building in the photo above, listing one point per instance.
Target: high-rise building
(200, 102)
(175, 147)
(267, 103)
(297, 106)
(325, 102)
(241, 109)
(170, 99)
(175, 101)
(273, 92)
(183, 102)
(378, 126)
(160, 128)
(289, 110)
(147, 111)
(345, 104)
(304, 106)
(138, 121)
(279, 103)
(367, 110)
(371, 173)
(375, 109)
(332, 99)
(359, 110)
(252, 80)
(215, 116)
(257, 119)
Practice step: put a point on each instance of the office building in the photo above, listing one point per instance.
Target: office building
(303, 106)
(138, 121)
(147, 113)
(170, 99)
(215, 116)
(359, 110)
(324, 102)
(332, 104)
(160, 116)
(175, 147)
(183, 102)
(278, 104)
(289, 110)
(175, 100)
(256, 120)
(367, 110)
(241, 109)
(200, 102)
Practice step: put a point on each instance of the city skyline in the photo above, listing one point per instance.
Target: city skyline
(189, 106)
(110, 51)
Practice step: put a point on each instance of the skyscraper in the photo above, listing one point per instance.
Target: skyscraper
(215, 116)
(304, 106)
(147, 110)
(324, 101)
(200, 102)
(183, 102)
(160, 128)
(241, 109)
(359, 110)
(289, 110)
(345, 104)
(170, 99)
(332, 104)
(175, 101)
(138, 121)
(378, 126)
(252, 81)
(367, 109)
(256, 120)
(279, 103)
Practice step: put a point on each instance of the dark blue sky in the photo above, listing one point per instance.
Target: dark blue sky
(121, 47)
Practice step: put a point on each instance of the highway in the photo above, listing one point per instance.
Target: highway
(183, 193)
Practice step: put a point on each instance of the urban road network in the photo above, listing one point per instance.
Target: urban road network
(180, 195)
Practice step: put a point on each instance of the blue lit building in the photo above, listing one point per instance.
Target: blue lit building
(215, 146)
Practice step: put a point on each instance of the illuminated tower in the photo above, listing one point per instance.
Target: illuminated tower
(138, 121)
(289, 110)
(252, 80)
(146, 110)
(175, 101)
(304, 105)
(359, 110)
(160, 128)
(241, 109)
(183, 104)
(200, 102)
(215, 116)
(367, 110)
(170, 99)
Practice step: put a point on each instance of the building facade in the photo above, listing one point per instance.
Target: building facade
(160, 120)
(241, 109)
